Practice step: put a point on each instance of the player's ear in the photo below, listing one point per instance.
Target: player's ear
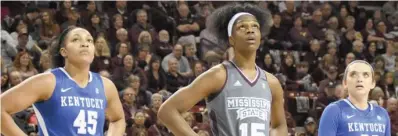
(63, 51)
(231, 41)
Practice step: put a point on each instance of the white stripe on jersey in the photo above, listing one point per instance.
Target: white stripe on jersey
(41, 121)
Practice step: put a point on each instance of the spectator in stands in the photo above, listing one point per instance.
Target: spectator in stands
(310, 127)
(23, 64)
(317, 26)
(299, 35)
(320, 72)
(95, 25)
(117, 23)
(358, 46)
(174, 79)
(73, 19)
(102, 59)
(186, 22)
(156, 76)
(349, 24)
(288, 15)
(388, 85)
(61, 15)
(277, 38)
(30, 47)
(332, 50)
(190, 54)
(389, 57)
(353, 9)
(142, 24)
(158, 129)
(8, 50)
(333, 33)
(369, 33)
(49, 29)
(121, 8)
(379, 64)
(143, 97)
(391, 107)
(198, 69)
(44, 64)
(332, 73)
(144, 56)
(348, 59)
(4, 78)
(291, 123)
(122, 50)
(378, 16)
(152, 110)
(268, 64)
(30, 18)
(15, 78)
(183, 65)
(122, 37)
(328, 95)
(90, 10)
(163, 46)
(326, 11)
(382, 31)
(376, 96)
(342, 15)
(138, 128)
(129, 106)
(288, 69)
(370, 53)
(340, 92)
(120, 74)
(304, 80)
(314, 56)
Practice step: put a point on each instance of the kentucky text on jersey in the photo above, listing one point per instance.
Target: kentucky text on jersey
(76, 101)
(366, 127)
(342, 118)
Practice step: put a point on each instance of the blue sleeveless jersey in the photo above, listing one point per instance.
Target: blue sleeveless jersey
(72, 110)
(342, 118)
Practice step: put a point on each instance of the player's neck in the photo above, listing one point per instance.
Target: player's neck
(245, 61)
(360, 103)
(79, 74)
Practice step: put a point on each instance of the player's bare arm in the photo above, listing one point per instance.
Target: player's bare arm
(170, 112)
(114, 110)
(27, 92)
(278, 120)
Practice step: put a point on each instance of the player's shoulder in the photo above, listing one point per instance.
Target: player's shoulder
(336, 106)
(217, 72)
(379, 109)
(271, 78)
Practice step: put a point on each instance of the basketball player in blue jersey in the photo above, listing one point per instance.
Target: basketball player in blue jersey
(242, 99)
(354, 116)
(70, 100)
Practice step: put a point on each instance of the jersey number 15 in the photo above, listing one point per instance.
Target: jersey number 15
(255, 130)
(81, 123)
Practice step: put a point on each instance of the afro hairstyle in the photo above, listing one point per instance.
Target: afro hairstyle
(217, 22)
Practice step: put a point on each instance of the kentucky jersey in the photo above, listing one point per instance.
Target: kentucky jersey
(342, 118)
(242, 107)
(72, 110)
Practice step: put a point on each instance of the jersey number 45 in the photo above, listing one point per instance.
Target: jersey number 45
(81, 123)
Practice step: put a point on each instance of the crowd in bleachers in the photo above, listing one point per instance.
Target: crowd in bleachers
(150, 49)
